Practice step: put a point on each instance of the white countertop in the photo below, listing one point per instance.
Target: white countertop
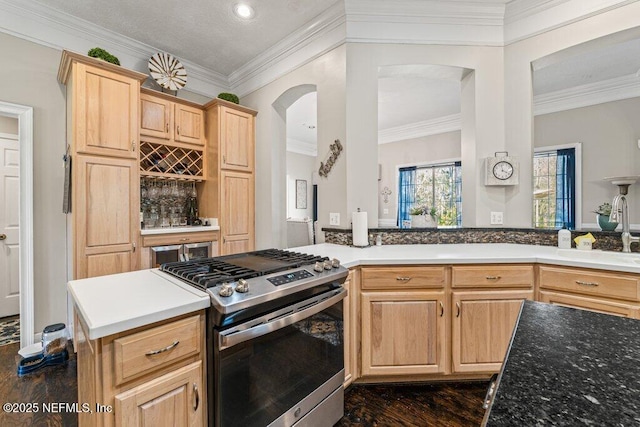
(119, 302)
(116, 303)
(170, 230)
(475, 253)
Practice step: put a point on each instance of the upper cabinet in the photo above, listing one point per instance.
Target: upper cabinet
(104, 106)
(170, 119)
(234, 134)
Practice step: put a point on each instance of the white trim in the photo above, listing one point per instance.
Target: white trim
(435, 126)
(301, 147)
(600, 92)
(578, 176)
(11, 136)
(25, 134)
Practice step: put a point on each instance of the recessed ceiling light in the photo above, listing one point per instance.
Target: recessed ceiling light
(243, 11)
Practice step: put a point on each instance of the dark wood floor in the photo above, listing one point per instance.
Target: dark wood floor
(442, 404)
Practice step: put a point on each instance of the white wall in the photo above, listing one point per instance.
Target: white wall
(8, 125)
(299, 166)
(482, 112)
(609, 134)
(327, 73)
(411, 152)
(518, 93)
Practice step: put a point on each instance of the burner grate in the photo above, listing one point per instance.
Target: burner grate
(206, 273)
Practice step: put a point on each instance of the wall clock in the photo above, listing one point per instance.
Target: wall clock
(167, 71)
(501, 170)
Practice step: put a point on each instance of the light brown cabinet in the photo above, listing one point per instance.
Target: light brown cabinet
(102, 129)
(229, 190)
(403, 320)
(482, 325)
(595, 290)
(153, 375)
(165, 117)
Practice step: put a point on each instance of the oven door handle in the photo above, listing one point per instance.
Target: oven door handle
(230, 338)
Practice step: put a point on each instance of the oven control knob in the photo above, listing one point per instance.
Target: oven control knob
(226, 290)
(335, 263)
(242, 286)
(327, 265)
(319, 267)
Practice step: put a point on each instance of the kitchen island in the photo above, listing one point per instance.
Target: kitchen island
(569, 367)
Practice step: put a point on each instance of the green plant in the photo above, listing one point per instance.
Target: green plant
(604, 209)
(229, 97)
(423, 210)
(99, 53)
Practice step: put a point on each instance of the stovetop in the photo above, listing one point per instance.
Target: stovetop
(239, 281)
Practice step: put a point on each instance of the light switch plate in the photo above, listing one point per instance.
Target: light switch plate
(334, 218)
(497, 218)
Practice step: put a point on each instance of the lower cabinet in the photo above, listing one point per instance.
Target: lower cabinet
(150, 376)
(403, 332)
(482, 325)
(173, 399)
(586, 303)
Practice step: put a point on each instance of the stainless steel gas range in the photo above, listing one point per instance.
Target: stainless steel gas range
(275, 337)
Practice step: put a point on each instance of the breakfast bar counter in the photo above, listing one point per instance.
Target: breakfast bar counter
(569, 367)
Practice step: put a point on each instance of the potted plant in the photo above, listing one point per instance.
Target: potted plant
(423, 217)
(602, 213)
(100, 53)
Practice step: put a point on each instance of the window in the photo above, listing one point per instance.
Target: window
(438, 186)
(554, 188)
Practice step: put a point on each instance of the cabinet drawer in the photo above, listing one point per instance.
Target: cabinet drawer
(179, 238)
(403, 277)
(492, 276)
(590, 282)
(586, 303)
(146, 351)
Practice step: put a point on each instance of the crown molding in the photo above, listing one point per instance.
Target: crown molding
(320, 35)
(586, 95)
(419, 129)
(302, 147)
(529, 18)
(425, 22)
(44, 25)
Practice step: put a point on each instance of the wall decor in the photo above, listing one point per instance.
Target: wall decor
(301, 194)
(501, 169)
(334, 151)
(167, 71)
(385, 194)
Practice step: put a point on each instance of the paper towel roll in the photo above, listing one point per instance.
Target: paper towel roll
(360, 231)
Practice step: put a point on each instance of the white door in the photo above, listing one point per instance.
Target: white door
(9, 225)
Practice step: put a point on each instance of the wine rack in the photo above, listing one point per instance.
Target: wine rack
(166, 161)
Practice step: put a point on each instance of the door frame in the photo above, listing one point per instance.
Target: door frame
(24, 115)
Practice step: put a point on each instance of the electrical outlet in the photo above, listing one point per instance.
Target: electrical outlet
(496, 218)
(334, 218)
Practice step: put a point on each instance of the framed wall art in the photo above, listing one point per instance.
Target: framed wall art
(301, 194)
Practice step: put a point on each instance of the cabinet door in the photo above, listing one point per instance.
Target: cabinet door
(236, 140)
(402, 333)
(105, 205)
(174, 399)
(155, 117)
(236, 212)
(585, 303)
(189, 124)
(105, 113)
(483, 323)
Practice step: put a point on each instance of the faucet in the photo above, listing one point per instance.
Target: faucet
(620, 210)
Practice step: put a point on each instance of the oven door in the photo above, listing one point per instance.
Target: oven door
(276, 369)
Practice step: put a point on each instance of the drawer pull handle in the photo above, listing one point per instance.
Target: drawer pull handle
(580, 282)
(492, 277)
(184, 239)
(162, 350)
(458, 309)
(196, 396)
(403, 279)
(441, 309)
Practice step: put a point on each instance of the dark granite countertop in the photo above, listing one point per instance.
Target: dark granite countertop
(569, 367)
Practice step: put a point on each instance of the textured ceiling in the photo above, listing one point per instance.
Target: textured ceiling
(205, 32)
